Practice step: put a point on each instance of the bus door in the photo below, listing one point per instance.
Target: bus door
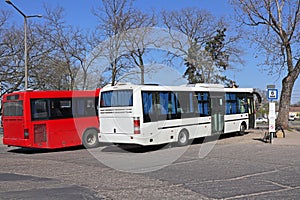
(217, 107)
(251, 100)
(251, 112)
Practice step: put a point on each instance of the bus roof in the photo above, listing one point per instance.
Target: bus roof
(191, 87)
(54, 93)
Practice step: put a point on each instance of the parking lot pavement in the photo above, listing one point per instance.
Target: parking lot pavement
(237, 167)
(292, 136)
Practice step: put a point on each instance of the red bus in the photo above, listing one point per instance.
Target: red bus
(50, 119)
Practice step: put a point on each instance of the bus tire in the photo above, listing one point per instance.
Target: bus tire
(90, 138)
(183, 138)
(242, 129)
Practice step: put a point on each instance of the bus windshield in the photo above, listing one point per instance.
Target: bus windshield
(14, 108)
(119, 98)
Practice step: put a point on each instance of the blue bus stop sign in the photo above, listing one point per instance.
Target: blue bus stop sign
(272, 94)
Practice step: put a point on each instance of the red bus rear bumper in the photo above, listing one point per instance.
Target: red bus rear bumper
(17, 142)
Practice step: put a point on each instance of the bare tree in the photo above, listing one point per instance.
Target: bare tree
(88, 52)
(4, 15)
(276, 29)
(116, 17)
(11, 55)
(137, 41)
(61, 56)
(56, 52)
(200, 28)
(11, 59)
(63, 41)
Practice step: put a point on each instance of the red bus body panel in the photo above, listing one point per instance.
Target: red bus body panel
(50, 134)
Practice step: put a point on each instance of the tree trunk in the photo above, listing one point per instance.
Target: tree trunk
(113, 72)
(141, 65)
(287, 85)
(142, 75)
(284, 103)
(113, 78)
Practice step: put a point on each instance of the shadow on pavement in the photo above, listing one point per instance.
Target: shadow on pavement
(125, 148)
(23, 150)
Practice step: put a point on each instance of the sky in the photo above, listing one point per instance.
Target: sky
(79, 13)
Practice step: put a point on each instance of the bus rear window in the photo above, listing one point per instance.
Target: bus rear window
(14, 108)
(118, 98)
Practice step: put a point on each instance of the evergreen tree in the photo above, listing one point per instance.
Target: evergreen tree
(215, 49)
(193, 72)
(205, 64)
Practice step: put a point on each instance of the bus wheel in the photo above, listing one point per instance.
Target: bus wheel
(90, 139)
(183, 138)
(242, 129)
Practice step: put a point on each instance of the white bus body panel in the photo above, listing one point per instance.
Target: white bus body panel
(120, 120)
(160, 132)
(233, 122)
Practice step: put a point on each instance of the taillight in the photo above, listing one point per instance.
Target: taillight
(26, 134)
(136, 125)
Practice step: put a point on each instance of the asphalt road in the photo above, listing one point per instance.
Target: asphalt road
(234, 167)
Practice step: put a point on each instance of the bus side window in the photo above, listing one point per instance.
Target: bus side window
(39, 109)
(164, 103)
(203, 104)
(66, 108)
(90, 108)
(231, 103)
(243, 106)
(147, 98)
(55, 109)
(78, 107)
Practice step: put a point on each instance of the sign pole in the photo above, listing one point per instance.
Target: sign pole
(272, 119)
(272, 95)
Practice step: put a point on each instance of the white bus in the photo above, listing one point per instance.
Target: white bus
(152, 115)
